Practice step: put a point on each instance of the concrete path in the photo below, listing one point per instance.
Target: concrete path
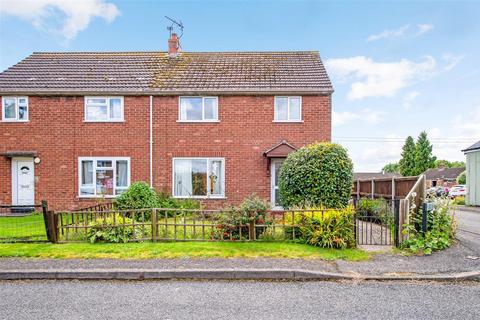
(448, 263)
(468, 231)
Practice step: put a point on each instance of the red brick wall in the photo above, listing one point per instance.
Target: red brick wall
(57, 132)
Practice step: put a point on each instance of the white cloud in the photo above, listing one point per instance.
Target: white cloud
(468, 126)
(64, 17)
(379, 79)
(409, 98)
(451, 60)
(365, 115)
(401, 31)
(385, 34)
(423, 28)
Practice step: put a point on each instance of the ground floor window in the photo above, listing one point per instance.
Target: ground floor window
(199, 177)
(103, 176)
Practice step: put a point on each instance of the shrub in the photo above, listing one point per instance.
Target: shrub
(236, 223)
(318, 175)
(460, 200)
(112, 229)
(138, 196)
(374, 210)
(324, 228)
(441, 227)
(166, 201)
(462, 178)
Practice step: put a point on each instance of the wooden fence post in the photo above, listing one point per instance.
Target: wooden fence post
(373, 189)
(154, 219)
(393, 188)
(358, 189)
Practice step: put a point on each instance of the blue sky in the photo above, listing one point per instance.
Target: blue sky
(398, 67)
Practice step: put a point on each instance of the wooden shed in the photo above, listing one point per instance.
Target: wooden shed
(473, 174)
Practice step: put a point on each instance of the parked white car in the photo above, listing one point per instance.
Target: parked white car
(458, 190)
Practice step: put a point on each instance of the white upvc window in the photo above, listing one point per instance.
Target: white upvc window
(288, 109)
(15, 109)
(103, 176)
(198, 109)
(199, 177)
(104, 109)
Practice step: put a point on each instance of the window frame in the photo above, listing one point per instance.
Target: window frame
(208, 195)
(288, 109)
(16, 119)
(179, 119)
(108, 98)
(114, 168)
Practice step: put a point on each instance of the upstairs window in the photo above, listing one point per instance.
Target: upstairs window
(198, 177)
(198, 109)
(103, 176)
(15, 109)
(288, 109)
(103, 109)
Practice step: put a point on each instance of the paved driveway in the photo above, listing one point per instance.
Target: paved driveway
(238, 300)
(469, 228)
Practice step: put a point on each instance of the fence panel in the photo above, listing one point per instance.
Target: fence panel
(166, 224)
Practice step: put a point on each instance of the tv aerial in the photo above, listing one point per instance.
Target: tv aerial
(175, 24)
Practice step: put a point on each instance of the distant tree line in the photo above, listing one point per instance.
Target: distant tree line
(417, 157)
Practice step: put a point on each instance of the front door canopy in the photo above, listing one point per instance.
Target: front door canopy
(280, 150)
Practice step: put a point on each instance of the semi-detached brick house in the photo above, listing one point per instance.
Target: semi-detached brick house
(215, 126)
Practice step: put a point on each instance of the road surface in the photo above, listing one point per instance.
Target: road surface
(238, 300)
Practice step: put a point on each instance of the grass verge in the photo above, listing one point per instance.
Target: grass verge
(148, 250)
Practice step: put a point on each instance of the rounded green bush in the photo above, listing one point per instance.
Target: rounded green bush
(138, 196)
(319, 174)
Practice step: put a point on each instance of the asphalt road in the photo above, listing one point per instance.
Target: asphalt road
(469, 228)
(238, 300)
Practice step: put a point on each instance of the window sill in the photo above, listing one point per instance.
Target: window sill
(15, 121)
(200, 198)
(97, 197)
(103, 121)
(287, 121)
(198, 121)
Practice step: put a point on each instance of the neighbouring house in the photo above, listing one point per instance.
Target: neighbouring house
(374, 175)
(442, 177)
(78, 127)
(473, 174)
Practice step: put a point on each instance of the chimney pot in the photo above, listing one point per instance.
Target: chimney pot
(173, 45)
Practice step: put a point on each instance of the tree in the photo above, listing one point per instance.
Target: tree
(391, 168)
(424, 159)
(462, 178)
(318, 175)
(448, 164)
(407, 163)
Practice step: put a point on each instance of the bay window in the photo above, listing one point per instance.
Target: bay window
(199, 177)
(198, 109)
(15, 109)
(103, 176)
(104, 109)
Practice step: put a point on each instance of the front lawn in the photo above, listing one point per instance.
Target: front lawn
(31, 227)
(148, 250)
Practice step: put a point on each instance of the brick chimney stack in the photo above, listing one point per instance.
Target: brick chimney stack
(173, 45)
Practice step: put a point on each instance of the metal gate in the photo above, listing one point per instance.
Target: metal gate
(23, 223)
(377, 227)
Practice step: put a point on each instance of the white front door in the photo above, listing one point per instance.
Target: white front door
(23, 181)
(275, 166)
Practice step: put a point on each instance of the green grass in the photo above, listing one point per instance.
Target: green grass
(148, 250)
(31, 226)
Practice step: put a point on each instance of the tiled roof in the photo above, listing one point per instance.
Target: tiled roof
(443, 173)
(373, 175)
(157, 73)
(475, 146)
